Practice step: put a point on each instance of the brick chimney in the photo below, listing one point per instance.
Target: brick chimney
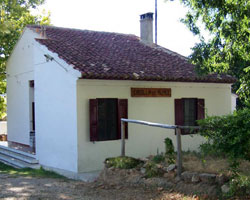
(146, 21)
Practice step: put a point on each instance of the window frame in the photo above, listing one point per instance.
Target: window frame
(195, 110)
(122, 112)
(105, 118)
(179, 112)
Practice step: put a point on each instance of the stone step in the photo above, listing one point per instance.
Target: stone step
(19, 155)
(10, 164)
(17, 158)
(17, 163)
(17, 151)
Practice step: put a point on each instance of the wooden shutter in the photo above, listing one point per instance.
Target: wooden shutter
(93, 119)
(122, 113)
(179, 112)
(200, 109)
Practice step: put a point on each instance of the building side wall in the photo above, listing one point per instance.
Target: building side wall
(56, 123)
(142, 140)
(233, 102)
(19, 71)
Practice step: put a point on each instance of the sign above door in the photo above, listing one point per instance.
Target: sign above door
(150, 92)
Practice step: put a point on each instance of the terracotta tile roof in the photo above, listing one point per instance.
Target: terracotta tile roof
(102, 55)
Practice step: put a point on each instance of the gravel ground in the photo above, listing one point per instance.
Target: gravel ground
(19, 187)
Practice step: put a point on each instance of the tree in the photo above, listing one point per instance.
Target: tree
(14, 16)
(228, 49)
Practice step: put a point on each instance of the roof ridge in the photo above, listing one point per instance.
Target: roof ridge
(155, 46)
(81, 30)
(171, 52)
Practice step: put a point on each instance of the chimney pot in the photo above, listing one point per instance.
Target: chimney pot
(146, 21)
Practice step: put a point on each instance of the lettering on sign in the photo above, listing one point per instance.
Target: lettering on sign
(150, 92)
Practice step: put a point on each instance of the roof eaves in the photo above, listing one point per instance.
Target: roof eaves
(153, 78)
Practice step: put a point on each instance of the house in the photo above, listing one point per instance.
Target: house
(68, 89)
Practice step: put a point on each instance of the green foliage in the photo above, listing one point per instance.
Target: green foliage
(152, 170)
(244, 90)
(169, 151)
(207, 149)
(2, 103)
(158, 158)
(239, 186)
(228, 49)
(122, 162)
(29, 172)
(229, 135)
(14, 16)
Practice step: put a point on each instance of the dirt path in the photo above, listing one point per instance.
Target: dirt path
(18, 187)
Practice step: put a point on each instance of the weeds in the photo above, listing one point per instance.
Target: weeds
(122, 162)
(239, 186)
(158, 158)
(152, 170)
(169, 151)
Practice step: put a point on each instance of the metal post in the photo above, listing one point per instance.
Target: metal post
(179, 156)
(122, 138)
(155, 21)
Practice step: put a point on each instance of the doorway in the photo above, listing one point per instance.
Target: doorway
(32, 113)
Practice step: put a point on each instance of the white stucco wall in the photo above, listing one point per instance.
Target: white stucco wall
(56, 118)
(142, 140)
(19, 71)
(233, 102)
(55, 103)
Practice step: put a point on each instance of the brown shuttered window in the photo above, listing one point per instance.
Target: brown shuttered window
(200, 109)
(179, 117)
(93, 118)
(187, 111)
(105, 116)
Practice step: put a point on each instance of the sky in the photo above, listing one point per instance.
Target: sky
(122, 16)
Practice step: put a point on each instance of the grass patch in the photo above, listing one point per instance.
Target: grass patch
(122, 162)
(40, 173)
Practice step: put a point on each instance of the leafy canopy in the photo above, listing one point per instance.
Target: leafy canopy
(14, 16)
(228, 49)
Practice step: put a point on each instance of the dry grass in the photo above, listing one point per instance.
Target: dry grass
(245, 168)
(192, 162)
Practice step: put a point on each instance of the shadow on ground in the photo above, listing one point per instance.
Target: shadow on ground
(19, 187)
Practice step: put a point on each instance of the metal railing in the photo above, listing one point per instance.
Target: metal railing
(166, 126)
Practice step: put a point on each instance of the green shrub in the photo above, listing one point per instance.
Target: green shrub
(152, 170)
(229, 135)
(239, 186)
(169, 151)
(122, 162)
(207, 149)
(158, 158)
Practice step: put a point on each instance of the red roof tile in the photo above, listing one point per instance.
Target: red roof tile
(102, 55)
